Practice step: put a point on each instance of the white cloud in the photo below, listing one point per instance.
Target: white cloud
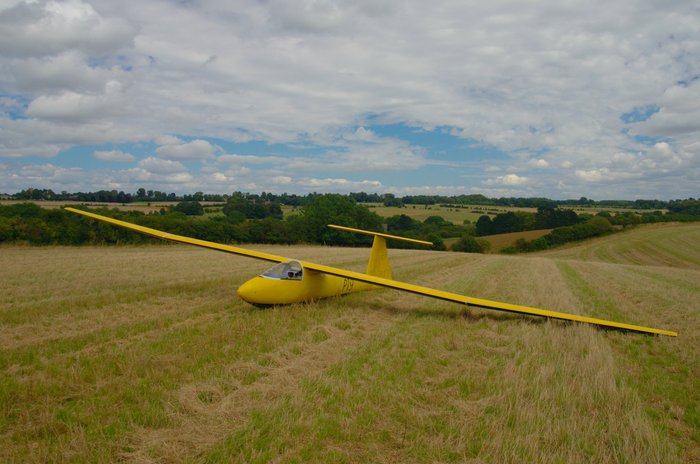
(194, 150)
(51, 27)
(508, 180)
(678, 116)
(538, 163)
(114, 155)
(65, 72)
(359, 151)
(78, 107)
(338, 185)
(593, 175)
(168, 140)
(161, 166)
(545, 84)
(251, 159)
(281, 180)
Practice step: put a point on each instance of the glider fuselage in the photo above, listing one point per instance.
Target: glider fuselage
(267, 290)
(288, 282)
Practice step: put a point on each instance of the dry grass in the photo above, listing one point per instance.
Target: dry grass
(454, 214)
(144, 207)
(674, 245)
(500, 241)
(144, 354)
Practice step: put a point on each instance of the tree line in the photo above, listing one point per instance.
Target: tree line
(388, 199)
(244, 221)
(258, 219)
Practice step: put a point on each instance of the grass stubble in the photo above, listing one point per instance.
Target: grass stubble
(143, 354)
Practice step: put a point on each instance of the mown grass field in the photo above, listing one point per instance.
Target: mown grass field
(144, 354)
(142, 206)
(501, 241)
(455, 214)
(420, 213)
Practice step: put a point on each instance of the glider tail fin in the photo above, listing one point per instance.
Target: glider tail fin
(378, 264)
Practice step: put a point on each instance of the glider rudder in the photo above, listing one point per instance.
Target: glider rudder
(378, 264)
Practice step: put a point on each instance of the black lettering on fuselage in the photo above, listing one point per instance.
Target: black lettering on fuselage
(348, 284)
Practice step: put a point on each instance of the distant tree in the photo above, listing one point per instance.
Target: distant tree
(628, 218)
(400, 224)
(506, 223)
(23, 210)
(484, 225)
(689, 206)
(391, 200)
(6, 230)
(436, 221)
(252, 207)
(340, 210)
(601, 224)
(469, 244)
(190, 208)
(549, 218)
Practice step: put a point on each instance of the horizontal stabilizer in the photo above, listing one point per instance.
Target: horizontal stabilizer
(379, 234)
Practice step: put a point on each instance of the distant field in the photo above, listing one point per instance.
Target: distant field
(455, 214)
(418, 212)
(146, 207)
(597, 209)
(144, 354)
(674, 245)
(501, 241)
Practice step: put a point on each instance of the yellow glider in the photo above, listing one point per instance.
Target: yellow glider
(294, 281)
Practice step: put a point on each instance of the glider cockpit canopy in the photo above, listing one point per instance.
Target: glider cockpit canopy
(289, 270)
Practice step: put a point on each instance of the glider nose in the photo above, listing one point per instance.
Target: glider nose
(258, 291)
(248, 291)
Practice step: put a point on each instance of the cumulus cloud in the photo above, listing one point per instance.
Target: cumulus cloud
(338, 185)
(68, 71)
(194, 150)
(538, 163)
(47, 175)
(593, 175)
(251, 159)
(78, 107)
(679, 113)
(50, 27)
(357, 151)
(161, 166)
(547, 87)
(508, 180)
(114, 155)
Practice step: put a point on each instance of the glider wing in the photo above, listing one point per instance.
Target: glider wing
(182, 239)
(480, 303)
(382, 282)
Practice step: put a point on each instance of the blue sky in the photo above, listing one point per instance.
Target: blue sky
(500, 98)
